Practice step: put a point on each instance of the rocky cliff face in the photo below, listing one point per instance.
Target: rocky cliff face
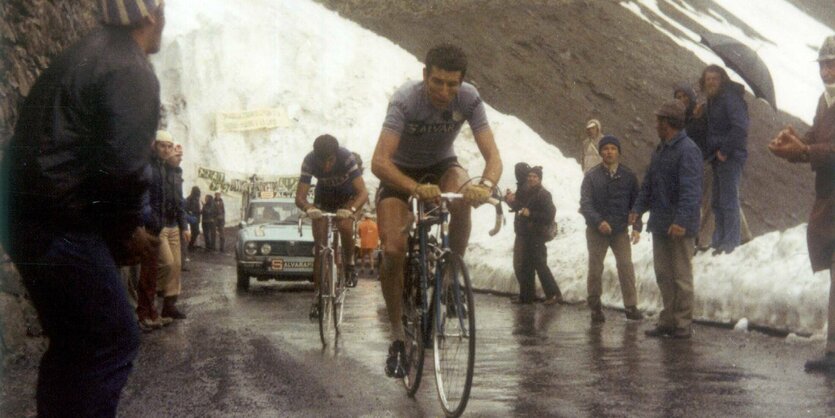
(557, 63)
(31, 33)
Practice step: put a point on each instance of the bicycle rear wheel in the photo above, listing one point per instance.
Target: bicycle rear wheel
(413, 327)
(454, 336)
(326, 308)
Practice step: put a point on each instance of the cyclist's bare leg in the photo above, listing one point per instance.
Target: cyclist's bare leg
(393, 216)
(459, 224)
(346, 231)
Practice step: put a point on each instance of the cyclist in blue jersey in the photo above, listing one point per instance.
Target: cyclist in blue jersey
(415, 156)
(340, 189)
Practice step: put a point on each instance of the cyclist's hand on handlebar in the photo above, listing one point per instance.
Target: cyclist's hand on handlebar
(314, 213)
(476, 194)
(344, 213)
(427, 191)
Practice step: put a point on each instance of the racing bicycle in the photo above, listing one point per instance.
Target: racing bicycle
(446, 318)
(332, 281)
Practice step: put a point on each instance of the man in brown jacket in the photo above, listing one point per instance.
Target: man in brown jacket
(818, 148)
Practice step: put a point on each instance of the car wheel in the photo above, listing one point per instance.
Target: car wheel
(243, 280)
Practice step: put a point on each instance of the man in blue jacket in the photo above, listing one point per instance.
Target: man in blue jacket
(74, 174)
(608, 192)
(670, 192)
(727, 135)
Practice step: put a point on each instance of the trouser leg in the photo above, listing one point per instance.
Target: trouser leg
(220, 237)
(830, 339)
(707, 225)
(664, 275)
(726, 203)
(622, 248)
(147, 287)
(597, 246)
(682, 255)
(546, 278)
(170, 262)
(93, 339)
(195, 232)
(527, 286)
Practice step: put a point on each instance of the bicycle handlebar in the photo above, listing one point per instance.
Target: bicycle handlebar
(450, 196)
(324, 215)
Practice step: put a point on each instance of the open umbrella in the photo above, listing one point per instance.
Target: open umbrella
(745, 61)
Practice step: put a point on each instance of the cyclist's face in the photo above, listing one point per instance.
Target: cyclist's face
(328, 164)
(442, 86)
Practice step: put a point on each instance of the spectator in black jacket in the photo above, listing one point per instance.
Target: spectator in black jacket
(149, 318)
(608, 192)
(513, 199)
(220, 220)
(537, 212)
(193, 215)
(74, 176)
(174, 228)
(209, 216)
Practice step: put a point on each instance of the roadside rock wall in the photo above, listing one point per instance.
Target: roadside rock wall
(32, 32)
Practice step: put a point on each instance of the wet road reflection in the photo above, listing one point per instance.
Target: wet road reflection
(259, 355)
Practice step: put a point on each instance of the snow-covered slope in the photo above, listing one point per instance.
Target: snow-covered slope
(330, 75)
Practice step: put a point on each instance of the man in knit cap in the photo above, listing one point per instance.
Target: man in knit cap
(608, 192)
(670, 192)
(817, 148)
(74, 176)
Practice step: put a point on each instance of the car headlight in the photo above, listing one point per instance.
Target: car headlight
(250, 248)
(266, 248)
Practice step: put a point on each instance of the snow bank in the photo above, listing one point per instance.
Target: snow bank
(330, 75)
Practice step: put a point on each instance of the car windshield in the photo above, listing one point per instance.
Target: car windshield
(273, 212)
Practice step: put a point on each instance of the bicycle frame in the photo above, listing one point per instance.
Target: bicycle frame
(422, 223)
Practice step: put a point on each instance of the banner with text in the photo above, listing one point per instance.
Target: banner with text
(251, 120)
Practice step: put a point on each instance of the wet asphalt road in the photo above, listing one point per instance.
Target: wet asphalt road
(255, 354)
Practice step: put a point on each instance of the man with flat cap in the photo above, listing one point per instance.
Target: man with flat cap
(817, 148)
(73, 180)
(671, 191)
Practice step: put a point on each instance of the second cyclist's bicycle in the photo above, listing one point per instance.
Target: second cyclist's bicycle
(331, 280)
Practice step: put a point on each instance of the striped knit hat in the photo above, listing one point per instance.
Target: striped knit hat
(126, 12)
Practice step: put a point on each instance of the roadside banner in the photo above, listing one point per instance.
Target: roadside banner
(252, 120)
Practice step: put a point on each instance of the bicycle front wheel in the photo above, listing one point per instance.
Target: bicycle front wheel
(326, 307)
(454, 335)
(413, 309)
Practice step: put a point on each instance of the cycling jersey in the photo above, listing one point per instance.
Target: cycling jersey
(334, 187)
(426, 132)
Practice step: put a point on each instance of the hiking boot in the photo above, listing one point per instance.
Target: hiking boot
(169, 309)
(682, 333)
(659, 332)
(553, 300)
(633, 313)
(395, 366)
(825, 364)
(314, 311)
(597, 316)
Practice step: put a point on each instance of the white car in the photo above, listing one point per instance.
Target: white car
(269, 246)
